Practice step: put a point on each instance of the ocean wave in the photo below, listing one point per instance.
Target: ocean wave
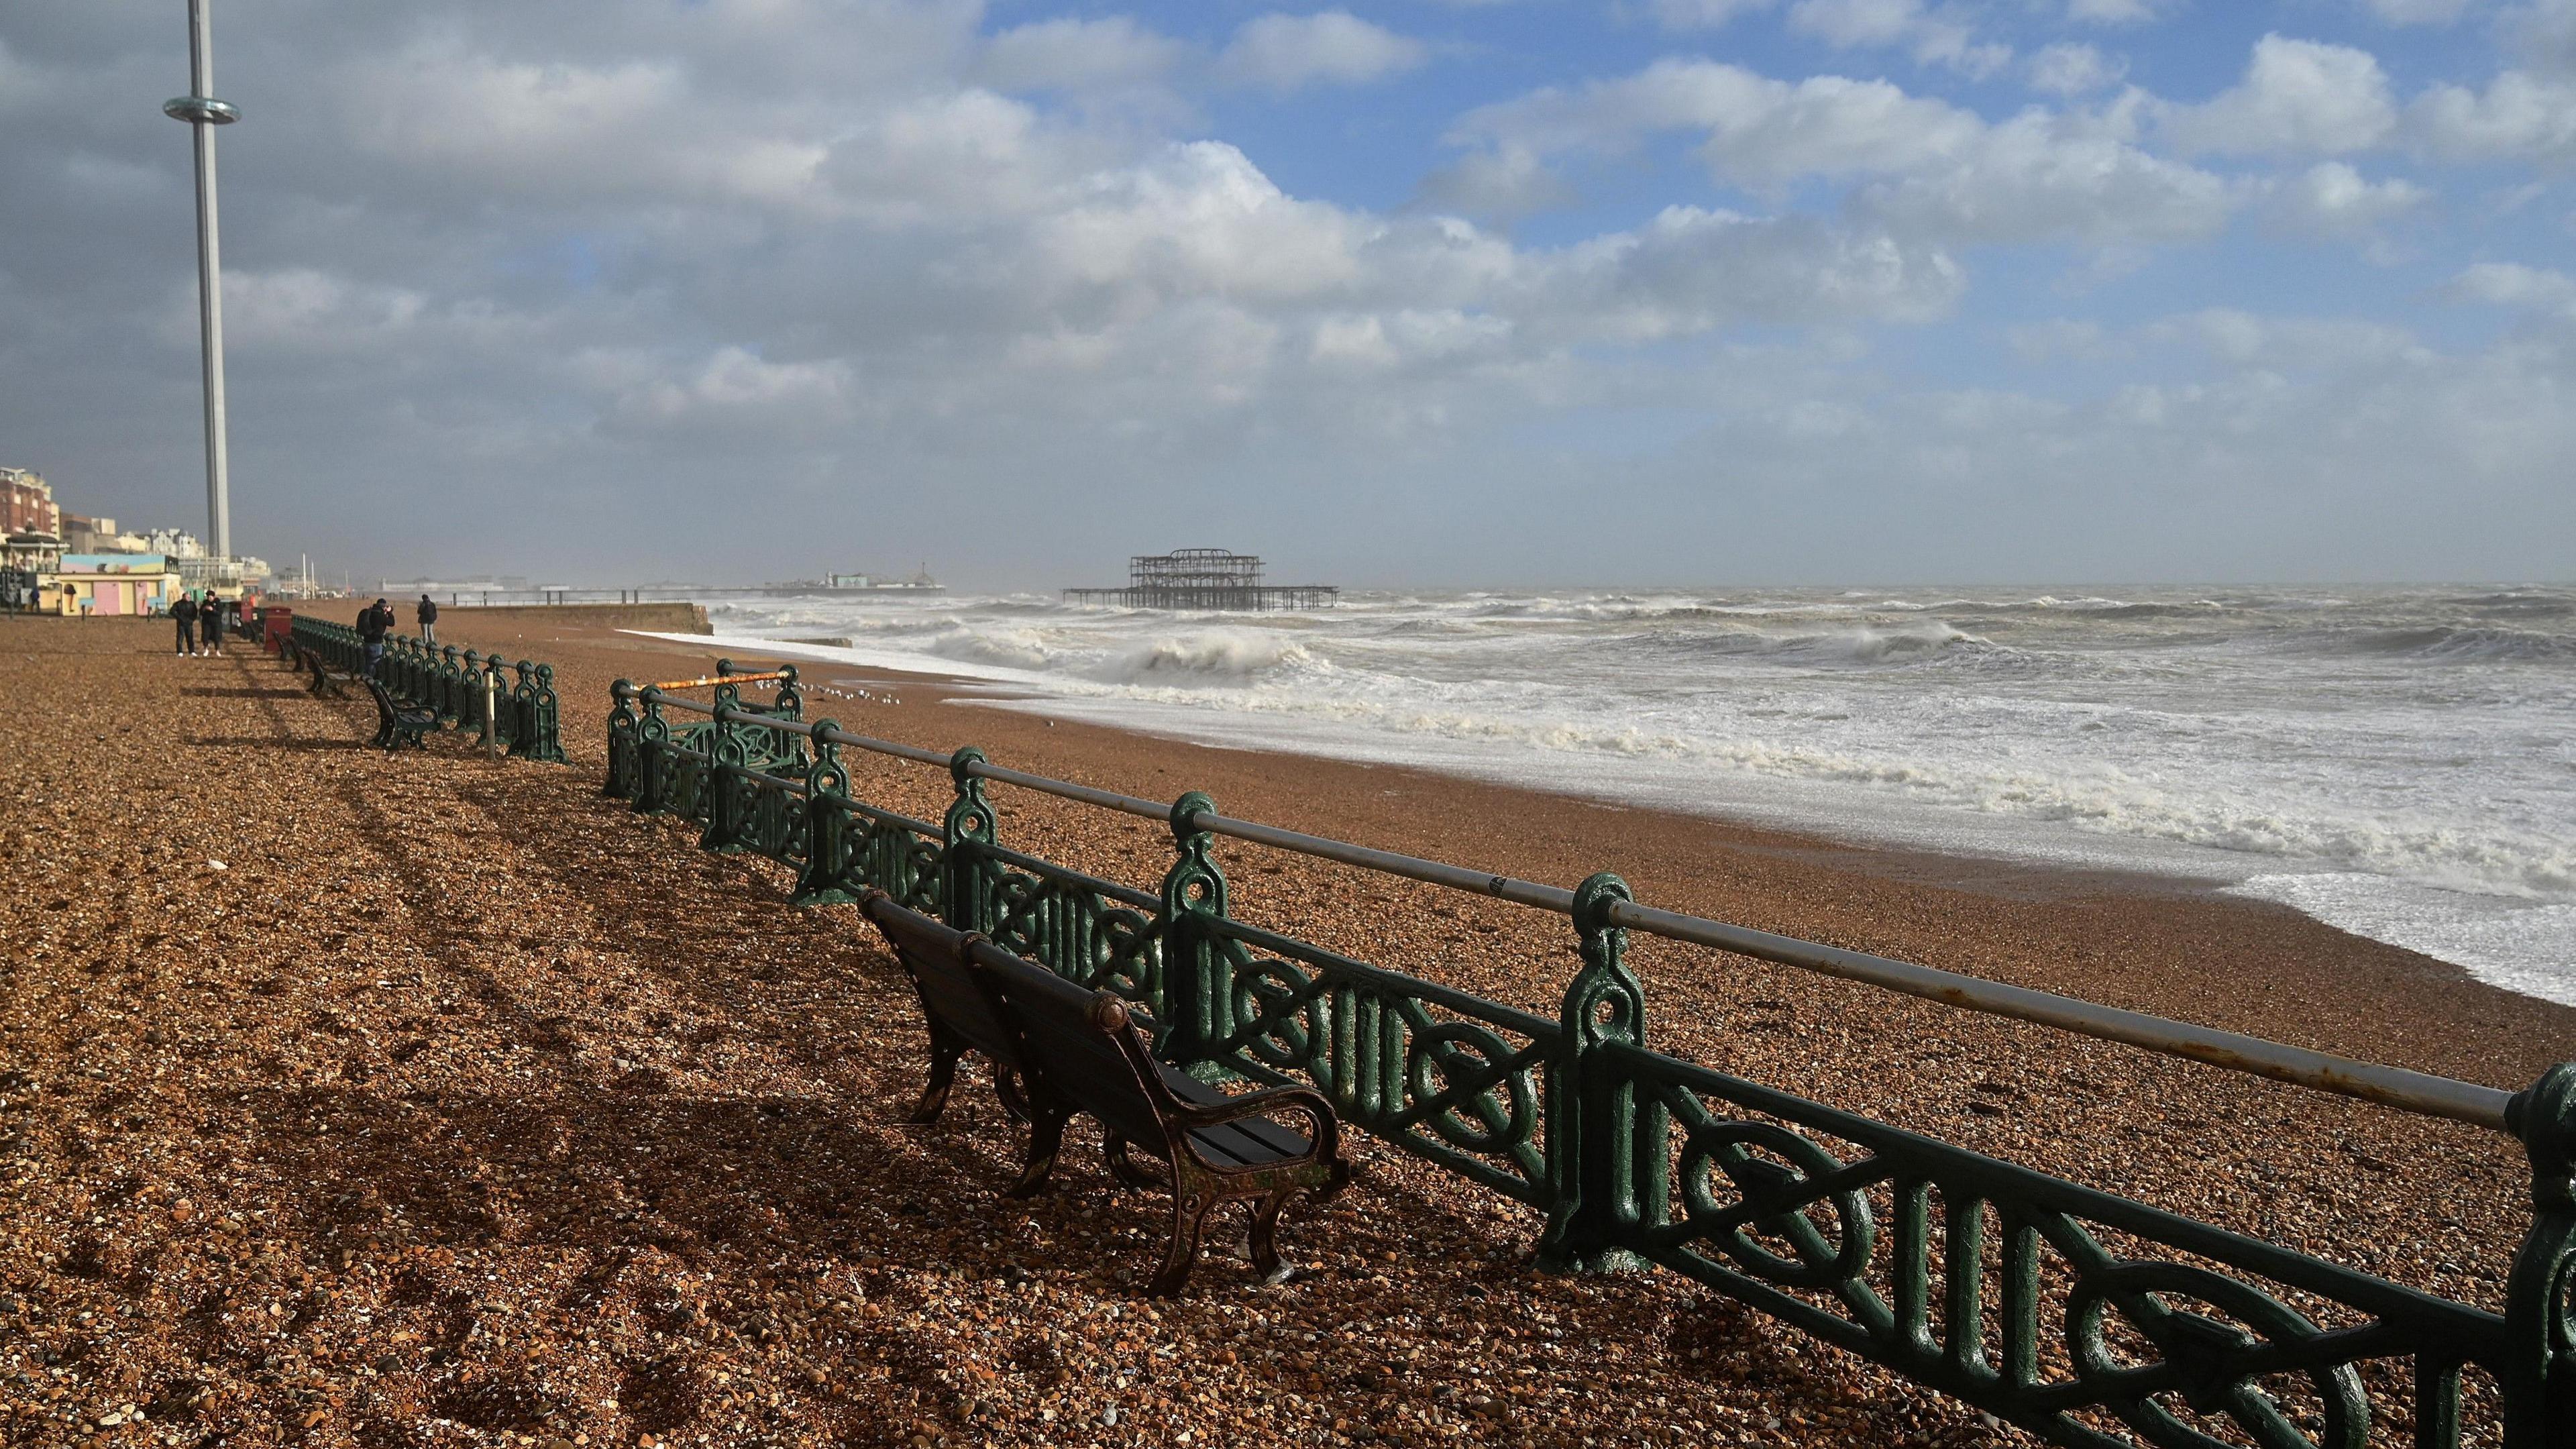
(1011, 648)
(1213, 655)
(2455, 642)
(2098, 798)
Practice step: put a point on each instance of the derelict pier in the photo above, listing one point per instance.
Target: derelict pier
(1204, 578)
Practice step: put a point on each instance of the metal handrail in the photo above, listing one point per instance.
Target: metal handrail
(2407, 1090)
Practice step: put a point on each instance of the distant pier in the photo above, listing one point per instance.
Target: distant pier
(1205, 578)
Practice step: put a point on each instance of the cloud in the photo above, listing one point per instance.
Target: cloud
(1075, 54)
(2511, 284)
(1932, 36)
(1922, 164)
(735, 386)
(2298, 97)
(2519, 116)
(2332, 199)
(2070, 69)
(1284, 53)
(866, 263)
(1500, 185)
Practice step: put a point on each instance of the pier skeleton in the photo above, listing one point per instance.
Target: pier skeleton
(1204, 578)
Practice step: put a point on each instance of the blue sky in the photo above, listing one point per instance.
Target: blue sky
(1761, 290)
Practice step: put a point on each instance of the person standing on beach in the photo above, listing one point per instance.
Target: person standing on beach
(184, 613)
(373, 626)
(428, 612)
(210, 626)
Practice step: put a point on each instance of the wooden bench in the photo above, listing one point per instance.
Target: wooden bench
(326, 680)
(1076, 1051)
(960, 1011)
(397, 724)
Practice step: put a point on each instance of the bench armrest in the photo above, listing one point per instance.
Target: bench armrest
(1303, 1101)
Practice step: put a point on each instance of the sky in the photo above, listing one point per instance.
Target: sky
(1403, 293)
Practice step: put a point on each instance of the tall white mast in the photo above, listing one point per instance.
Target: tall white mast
(204, 113)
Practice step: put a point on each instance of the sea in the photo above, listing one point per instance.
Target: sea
(2396, 762)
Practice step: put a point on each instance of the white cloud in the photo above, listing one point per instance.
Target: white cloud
(1288, 52)
(1502, 184)
(1924, 164)
(2333, 199)
(2520, 116)
(1690, 271)
(2298, 97)
(2511, 284)
(2071, 69)
(1068, 53)
(444, 105)
(1932, 36)
(2543, 35)
(736, 388)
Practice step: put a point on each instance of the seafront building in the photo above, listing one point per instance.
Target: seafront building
(27, 503)
(99, 584)
(71, 563)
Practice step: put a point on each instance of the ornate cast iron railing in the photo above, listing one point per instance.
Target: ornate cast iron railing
(2089, 1318)
(466, 690)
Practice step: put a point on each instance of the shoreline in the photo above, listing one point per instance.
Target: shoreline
(1787, 881)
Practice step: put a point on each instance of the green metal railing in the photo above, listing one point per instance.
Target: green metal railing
(2091, 1319)
(467, 690)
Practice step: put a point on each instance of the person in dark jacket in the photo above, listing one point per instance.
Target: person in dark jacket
(184, 612)
(210, 626)
(373, 625)
(428, 612)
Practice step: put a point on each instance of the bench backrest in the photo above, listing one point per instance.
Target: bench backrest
(384, 702)
(1079, 1044)
(936, 958)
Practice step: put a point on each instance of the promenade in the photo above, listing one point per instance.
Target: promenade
(355, 1099)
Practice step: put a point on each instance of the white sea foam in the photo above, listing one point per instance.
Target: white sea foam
(2396, 762)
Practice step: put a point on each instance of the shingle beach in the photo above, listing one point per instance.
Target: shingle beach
(362, 1099)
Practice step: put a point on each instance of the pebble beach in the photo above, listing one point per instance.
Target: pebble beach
(361, 1099)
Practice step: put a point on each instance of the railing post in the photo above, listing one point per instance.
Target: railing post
(727, 751)
(652, 743)
(622, 721)
(826, 843)
(790, 703)
(968, 824)
(469, 705)
(450, 709)
(545, 719)
(1603, 1185)
(1194, 891)
(2539, 1380)
(522, 707)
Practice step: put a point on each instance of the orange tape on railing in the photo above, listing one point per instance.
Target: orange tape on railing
(718, 679)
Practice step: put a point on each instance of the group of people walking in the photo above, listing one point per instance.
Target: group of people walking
(201, 624)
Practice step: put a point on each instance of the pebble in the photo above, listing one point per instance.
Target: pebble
(380, 1169)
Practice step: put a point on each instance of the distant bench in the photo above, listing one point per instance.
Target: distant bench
(397, 724)
(1057, 1049)
(326, 680)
